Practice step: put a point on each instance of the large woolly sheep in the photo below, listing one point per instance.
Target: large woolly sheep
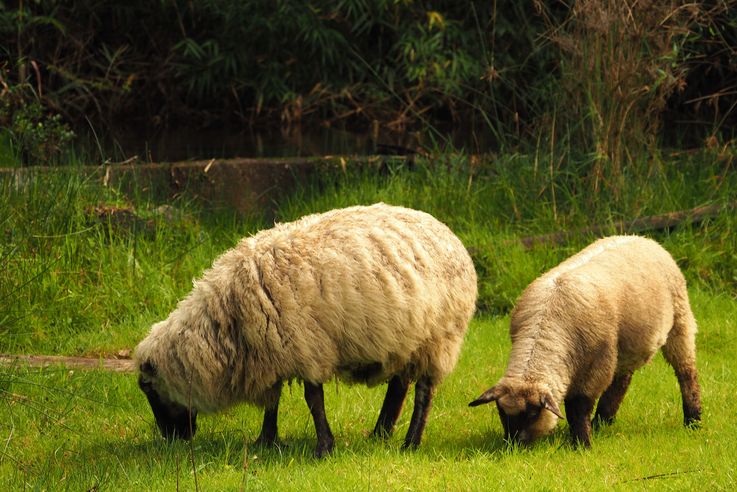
(368, 293)
(580, 330)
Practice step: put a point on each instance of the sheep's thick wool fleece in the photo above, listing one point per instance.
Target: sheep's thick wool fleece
(604, 311)
(376, 286)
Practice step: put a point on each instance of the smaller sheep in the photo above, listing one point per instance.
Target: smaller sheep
(580, 330)
(371, 294)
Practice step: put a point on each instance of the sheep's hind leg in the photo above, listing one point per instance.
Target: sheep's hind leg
(611, 399)
(680, 352)
(691, 395)
(690, 391)
(396, 392)
(315, 399)
(268, 436)
(578, 412)
(423, 401)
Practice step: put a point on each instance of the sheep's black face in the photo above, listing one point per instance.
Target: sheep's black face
(521, 406)
(175, 421)
(521, 427)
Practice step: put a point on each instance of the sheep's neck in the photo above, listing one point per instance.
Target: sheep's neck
(532, 361)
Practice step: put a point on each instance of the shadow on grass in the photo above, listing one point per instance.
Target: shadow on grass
(154, 455)
(492, 445)
(225, 448)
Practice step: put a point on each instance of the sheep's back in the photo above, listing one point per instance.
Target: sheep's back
(366, 292)
(618, 291)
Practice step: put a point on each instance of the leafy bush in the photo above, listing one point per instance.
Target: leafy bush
(285, 61)
(38, 138)
(593, 74)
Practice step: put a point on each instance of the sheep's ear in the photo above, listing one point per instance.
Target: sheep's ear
(548, 402)
(491, 394)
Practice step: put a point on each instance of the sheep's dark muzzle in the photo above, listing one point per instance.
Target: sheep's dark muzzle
(175, 421)
(516, 426)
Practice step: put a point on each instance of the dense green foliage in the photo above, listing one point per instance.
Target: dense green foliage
(384, 60)
(515, 68)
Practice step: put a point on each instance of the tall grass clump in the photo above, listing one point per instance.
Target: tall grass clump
(86, 268)
(620, 61)
(82, 265)
(704, 109)
(492, 203)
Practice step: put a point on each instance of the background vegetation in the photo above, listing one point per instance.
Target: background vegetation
(601, 111)
(86, 267)
(597, 73)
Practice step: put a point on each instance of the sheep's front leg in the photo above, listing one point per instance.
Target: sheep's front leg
(268, 436)
(611, 399)
(578, 414)
(423, 402)
(315, 399)
(396, 392)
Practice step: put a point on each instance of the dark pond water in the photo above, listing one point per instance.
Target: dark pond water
(182, 143)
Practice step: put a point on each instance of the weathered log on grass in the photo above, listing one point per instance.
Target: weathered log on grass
(246, 185)
(642, 224)
(115, 365)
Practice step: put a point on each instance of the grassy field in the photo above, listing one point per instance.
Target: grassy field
(85, 270)
(80, 430)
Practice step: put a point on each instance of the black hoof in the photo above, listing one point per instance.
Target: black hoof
(323, 449)
(381, 434)
(267, 443)
(600, 421)
(409, 446)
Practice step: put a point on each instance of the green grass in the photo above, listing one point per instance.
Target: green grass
(76, 430)
(73, 281)
(77, 282)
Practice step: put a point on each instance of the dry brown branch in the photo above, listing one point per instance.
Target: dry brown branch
(650, 223)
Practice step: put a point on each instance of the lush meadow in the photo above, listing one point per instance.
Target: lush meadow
(86, 269)
(579, 99)
(81, 430)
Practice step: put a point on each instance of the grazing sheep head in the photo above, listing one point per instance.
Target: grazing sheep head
(521, 408)
(175, 421)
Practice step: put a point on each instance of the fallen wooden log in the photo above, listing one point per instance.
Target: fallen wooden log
(116, 365)
(242, 184)
(650, 223)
